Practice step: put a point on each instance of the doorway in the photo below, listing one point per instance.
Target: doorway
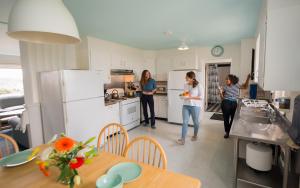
(215, 75)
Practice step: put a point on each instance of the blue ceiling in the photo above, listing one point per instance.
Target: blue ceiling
(141, 23)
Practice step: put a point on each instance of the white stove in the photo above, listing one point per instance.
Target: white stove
(130, 112)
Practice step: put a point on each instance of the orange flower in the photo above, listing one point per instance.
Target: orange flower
(44, 168)
(64, 144)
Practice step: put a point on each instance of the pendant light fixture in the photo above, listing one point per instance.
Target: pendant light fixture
(42, 21)
(183, 46)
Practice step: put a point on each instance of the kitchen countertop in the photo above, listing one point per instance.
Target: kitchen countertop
(272, 133)
(161, 94)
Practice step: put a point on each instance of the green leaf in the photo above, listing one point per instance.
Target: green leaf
(89, 140)
(90, 153)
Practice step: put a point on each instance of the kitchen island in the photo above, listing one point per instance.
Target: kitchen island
(252, 124)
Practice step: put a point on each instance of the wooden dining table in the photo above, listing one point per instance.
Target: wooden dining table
(29, 176)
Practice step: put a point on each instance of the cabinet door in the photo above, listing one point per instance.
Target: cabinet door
(156, 106)
(282, 60)
(163, 107)
(163, 67)
(185, 61)
(116, 61)
(100, 60)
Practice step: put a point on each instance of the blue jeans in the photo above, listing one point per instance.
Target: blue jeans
(188, 111)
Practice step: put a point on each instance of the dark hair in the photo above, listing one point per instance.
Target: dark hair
(233, 78)
(143, 80)
(192, 75)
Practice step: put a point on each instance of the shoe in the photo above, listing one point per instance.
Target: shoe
(226, 135)
(153, 126)
(180, 142)
(194, 138)
(146, 124)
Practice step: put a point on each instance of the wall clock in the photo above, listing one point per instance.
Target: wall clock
(217, 51)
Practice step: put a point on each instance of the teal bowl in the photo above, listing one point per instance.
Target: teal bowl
(109, 181)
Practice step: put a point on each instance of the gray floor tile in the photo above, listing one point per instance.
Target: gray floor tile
(209, 159)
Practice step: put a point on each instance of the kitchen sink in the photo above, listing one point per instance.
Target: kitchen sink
(256, 119)
(256, 112)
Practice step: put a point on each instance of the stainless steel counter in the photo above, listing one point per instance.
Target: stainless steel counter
(246, 125)
(253, 124)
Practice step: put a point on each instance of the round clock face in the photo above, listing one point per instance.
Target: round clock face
(217, 51)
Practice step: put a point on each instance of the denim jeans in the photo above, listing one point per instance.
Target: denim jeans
(188, 111)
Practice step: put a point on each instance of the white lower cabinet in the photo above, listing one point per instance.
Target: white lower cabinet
(161, 106)
(111, 114)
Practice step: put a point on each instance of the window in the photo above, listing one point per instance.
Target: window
(11, 81)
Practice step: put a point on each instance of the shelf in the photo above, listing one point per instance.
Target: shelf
(271, 179)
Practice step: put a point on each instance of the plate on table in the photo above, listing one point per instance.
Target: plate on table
(17, 159)
(127, 170)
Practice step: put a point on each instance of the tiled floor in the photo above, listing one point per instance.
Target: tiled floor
(209, 159)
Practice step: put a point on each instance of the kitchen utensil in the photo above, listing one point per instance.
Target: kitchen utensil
(17, 159)
(114, 94)
(128, 171)
(106, 96)
(109, 181)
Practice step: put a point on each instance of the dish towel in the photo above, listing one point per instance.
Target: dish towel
(24, 122)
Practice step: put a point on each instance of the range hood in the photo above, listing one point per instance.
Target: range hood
(121, 72)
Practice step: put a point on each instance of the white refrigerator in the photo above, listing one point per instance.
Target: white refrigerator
(176, 81)
(71, 103)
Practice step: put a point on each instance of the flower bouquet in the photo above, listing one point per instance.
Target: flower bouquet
(67, 155)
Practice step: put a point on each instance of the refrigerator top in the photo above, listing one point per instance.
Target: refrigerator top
(176, 79)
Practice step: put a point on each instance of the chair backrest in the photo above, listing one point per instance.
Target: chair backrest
(146, 150)
(7, 144)
(113, 138)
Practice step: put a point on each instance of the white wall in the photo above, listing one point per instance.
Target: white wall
(261, 30)
(36, 58)
(232, 51)
(246, 56)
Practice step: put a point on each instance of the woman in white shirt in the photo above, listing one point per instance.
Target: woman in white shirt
(191, 106)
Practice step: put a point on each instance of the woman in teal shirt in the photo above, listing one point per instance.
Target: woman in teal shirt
(148, 86)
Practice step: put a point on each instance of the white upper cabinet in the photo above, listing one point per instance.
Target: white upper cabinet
(119, 60)
(185, 60)
(163, 67)
(281, 63)
(168, 60)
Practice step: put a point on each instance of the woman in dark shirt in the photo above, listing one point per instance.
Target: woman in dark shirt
(148, 86)
(229, 95)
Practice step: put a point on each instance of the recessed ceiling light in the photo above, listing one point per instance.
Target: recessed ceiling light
(183, 46)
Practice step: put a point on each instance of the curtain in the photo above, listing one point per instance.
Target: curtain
(213, 84)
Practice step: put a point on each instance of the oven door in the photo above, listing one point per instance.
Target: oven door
(130, 113)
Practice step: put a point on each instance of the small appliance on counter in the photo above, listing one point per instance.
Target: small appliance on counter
(161, 87)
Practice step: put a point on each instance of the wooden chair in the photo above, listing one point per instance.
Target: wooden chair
(113, 138)
(146, 150)
(8, 144)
